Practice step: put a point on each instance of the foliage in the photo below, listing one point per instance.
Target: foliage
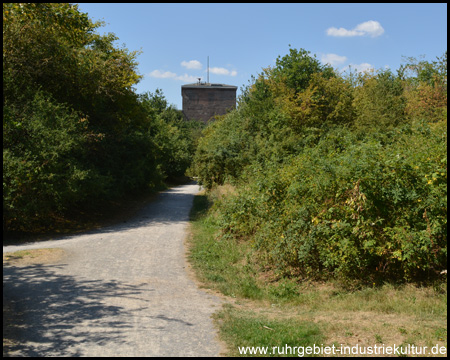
(379, 102)
(175, 138)
(424, 72)
(365, 210)
(426, 88)
(54, 46)
(274, 120)
(335, 177)
(297, 68)
(325, 102)
(43, 149)
(75, 133)
(231, 267)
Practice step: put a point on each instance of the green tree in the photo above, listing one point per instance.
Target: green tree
(334, 177)
(422, 71)
(379, 101)
(44, 162)
(297, 68)
(425, 87)
(54, 46)
(75, 133)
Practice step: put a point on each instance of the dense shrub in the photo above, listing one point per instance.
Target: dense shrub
(379, 101)
(349, 208)
(335, 177)
(43, 152)
(174, 138)
(75, 133)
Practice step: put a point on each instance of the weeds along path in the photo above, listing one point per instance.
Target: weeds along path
(119, 291)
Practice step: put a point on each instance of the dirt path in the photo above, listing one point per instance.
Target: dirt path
(119, 291)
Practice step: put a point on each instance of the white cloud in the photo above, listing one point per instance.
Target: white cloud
(333, 59)
(218, 71)
(162, 75)
(170, 75)
(341, 32)
(222, 71)
(187, 78)
(369, 28)
(192, 64)
(363, 67)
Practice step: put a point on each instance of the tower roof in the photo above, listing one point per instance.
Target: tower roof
(209, 86)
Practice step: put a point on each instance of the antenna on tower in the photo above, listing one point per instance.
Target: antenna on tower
(207, 81)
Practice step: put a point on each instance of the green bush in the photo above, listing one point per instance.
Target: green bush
(379, 101)
(335, 177)
(43, 168)
(349, 208)
(75, 134)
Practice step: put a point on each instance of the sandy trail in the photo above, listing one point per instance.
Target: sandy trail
(119, 291)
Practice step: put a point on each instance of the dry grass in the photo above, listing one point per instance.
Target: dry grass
(349, 328)
(11, 317)
(386, 315)
(35, 256)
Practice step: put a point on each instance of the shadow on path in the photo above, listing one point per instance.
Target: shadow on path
(169, 207)
(59, 314)
(48, 309)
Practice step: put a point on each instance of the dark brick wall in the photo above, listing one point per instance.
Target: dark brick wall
(203, 102)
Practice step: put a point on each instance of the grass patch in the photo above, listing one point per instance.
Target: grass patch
(386, 314)
(33, 256)
(248, 329)
(217, 262)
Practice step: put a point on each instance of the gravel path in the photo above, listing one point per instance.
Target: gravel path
(119, 291)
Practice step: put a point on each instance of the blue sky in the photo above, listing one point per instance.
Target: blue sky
(242, 39)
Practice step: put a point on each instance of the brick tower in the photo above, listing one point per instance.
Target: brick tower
(202, 101)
